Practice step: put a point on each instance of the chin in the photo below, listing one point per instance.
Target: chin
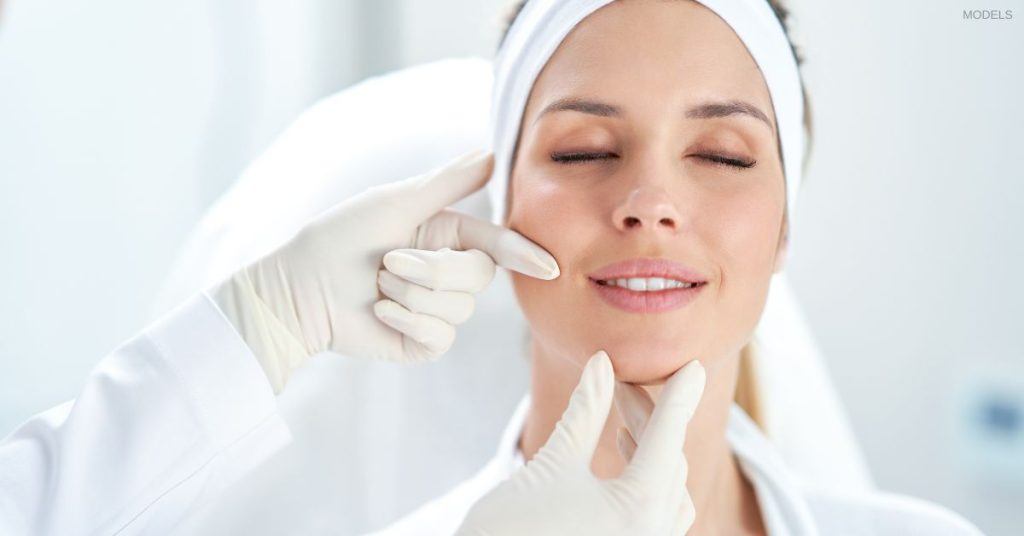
(647, 362)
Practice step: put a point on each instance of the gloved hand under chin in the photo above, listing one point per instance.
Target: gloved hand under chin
(556, 493)
(322, 290)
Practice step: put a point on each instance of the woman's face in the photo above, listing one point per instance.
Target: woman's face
(649, 136)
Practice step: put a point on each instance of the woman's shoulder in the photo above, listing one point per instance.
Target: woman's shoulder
(883, 513)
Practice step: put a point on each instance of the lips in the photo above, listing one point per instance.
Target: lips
(647, 285)
(636, 268)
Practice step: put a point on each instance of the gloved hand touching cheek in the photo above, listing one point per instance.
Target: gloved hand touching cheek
(387, 274)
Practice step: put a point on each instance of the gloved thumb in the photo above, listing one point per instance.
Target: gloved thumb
(432, 192)
(577, 433)
(662, 440)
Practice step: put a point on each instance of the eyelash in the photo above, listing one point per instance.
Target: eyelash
(719, 160)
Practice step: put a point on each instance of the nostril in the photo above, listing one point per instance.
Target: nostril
(667, 222)
(632, 221)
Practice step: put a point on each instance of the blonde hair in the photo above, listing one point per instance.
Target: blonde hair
(748, 391)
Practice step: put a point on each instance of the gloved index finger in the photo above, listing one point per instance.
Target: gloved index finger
(508, 248)
(662, 442)
(578, 431)
(635, 406)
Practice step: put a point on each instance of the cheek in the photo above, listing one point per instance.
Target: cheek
(748, 233)
(559, 218)
(748, 238)
(553, 212)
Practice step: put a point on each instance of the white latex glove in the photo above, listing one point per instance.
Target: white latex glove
(320, 291)
(556, 493)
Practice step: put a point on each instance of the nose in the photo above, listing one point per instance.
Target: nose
(647, 208)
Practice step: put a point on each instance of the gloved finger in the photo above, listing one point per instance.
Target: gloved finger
(681, 472)
(675, 499)
(634, 405)
(626, 444)
(661, 444)
(677, 479)
(508, 248)
(448, 305)
(577, 432)
(434, 334)
(444, 269)
(685, 515)
(431, 192)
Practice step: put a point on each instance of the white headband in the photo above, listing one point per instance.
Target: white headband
(542, 25)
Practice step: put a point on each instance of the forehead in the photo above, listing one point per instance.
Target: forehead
(651, 54)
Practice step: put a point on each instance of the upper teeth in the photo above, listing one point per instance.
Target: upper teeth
(647, 283)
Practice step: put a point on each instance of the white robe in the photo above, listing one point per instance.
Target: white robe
(165, 423)
(787, 506)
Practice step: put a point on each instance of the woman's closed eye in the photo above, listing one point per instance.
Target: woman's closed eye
(575, 158)
(712, 158)
(722, 160)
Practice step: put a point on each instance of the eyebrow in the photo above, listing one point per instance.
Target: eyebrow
(707, 110)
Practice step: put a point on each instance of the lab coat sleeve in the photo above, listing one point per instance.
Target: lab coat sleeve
(164, 422)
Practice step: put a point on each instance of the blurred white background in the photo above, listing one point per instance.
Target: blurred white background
(120, 122)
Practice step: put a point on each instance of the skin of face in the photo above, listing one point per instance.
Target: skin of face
(651, 189)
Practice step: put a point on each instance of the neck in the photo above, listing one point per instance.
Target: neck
(724, 500)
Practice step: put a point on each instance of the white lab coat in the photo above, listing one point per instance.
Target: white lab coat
(788, 506)
(164, 422)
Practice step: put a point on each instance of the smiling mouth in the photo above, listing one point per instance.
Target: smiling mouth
(647, 295)
(648, 284)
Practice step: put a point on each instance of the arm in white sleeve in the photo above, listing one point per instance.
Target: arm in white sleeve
(170, 417)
